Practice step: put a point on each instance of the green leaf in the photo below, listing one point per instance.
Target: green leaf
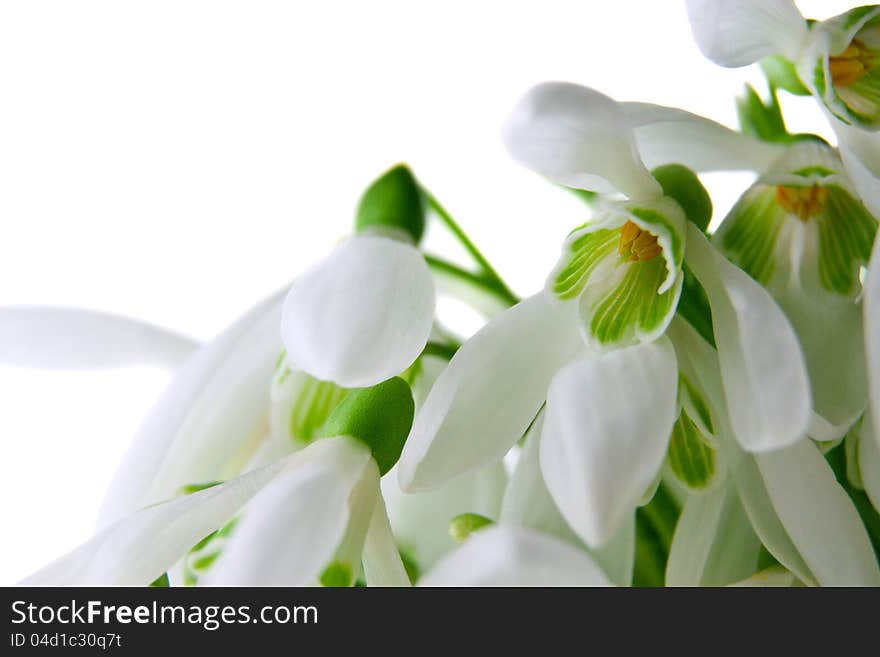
(693, 306)
(781, 73)
(759, 119)
(655, 526)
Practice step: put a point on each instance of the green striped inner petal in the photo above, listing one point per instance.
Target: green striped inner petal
(846, 234)
(690, 456)
(301, 404)
(749, 233)
(582, 255)
(632, 309)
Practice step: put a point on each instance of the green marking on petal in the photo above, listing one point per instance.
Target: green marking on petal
(582, 255)
(632, 309)
(846, 234)
(337, 574)
(695, 404)
(301, 404)
(204, 553)
(749, 233)
(691, 458)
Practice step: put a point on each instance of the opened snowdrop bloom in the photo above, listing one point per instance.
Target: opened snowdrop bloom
(598, 328)
(803, 233)
(836, 60)
(311, 517)
(365, 312)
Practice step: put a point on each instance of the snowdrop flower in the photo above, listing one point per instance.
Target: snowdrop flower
(802, 232)
(617, 285)
(788, 500)
(365, 312)
(834, 60)
(308, 518)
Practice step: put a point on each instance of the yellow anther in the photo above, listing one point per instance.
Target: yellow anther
(850, 65)
(637, 245)
(803, 202)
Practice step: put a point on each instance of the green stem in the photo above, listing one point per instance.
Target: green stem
(493, 286)
(469, 246)
(440, 350)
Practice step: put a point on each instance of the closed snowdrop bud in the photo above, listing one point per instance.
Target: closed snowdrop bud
(364, 313)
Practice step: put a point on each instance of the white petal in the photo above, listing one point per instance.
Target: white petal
(72, 338)
(762, 366)
(527, 503)
(773, 576)
(293, 529)
(361, 315)
(869, 460)
(871, 301)
(765, 521)
(382, 563)
(860, 152)
(421, 520)
(832, 340)
(508, 556)
(666, 134)
(740, 32)
(578, 137)
(484, 401)
(203, 417)
(714, 544)
(819, 516)
(607, 427)
(136, 550)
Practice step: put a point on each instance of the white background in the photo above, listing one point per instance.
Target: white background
(176, 161)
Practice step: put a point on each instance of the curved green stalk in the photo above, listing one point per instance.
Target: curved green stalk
(489, 273)
(493, 286)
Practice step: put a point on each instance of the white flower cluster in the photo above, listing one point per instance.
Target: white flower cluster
(676, 406)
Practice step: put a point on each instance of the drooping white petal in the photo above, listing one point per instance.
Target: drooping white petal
(819, 516)
(667, 135)
(203, 417)
(762, 366)
(860, 152)
(361, 315)
(295, 527)
(764, 519)
(714, 544)
(509, 556)
(869, 460)
(421, 520)
(137, 549)
(527, 503)
(607, 427)
(72, 338)
(578, 137)
(832, 340)
(484, 401)
(871, 307)
(740, 32)
(382, 563)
